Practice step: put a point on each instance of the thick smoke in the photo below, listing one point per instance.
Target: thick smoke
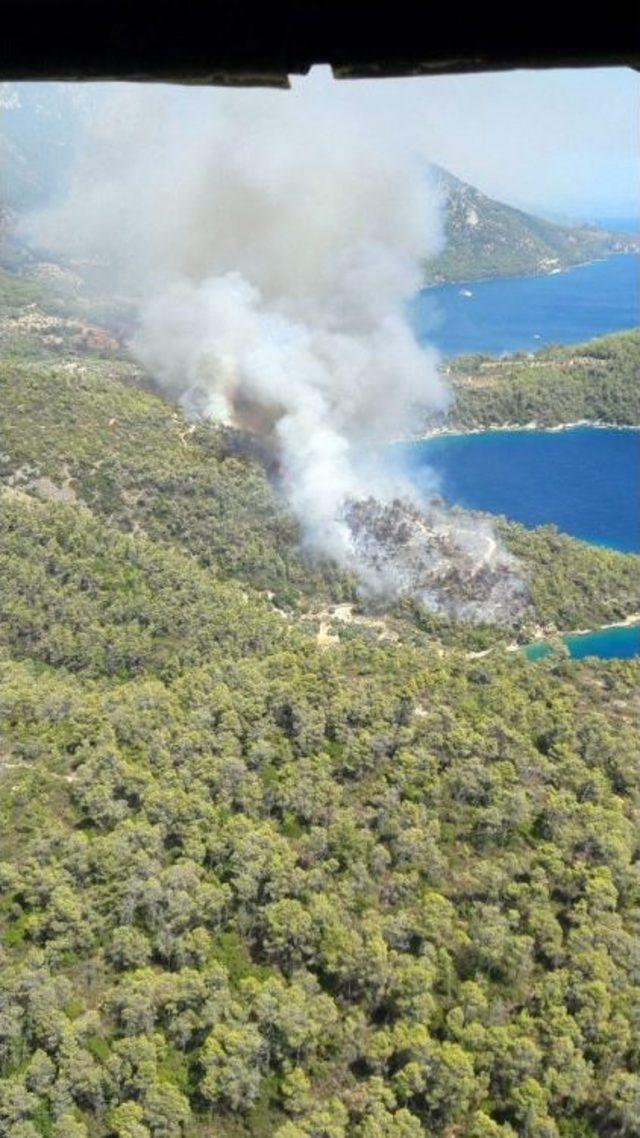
(273, 240)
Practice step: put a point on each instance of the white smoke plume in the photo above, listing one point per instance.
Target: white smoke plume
(274, 240)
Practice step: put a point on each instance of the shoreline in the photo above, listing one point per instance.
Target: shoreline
(544, 636)
(533, 275)
(462, 432)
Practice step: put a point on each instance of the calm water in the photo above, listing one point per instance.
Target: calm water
(527, 313)
(607, 643)
(584, 480)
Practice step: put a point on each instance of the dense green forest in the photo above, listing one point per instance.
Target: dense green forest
(255, 883)
(598, 382)
(81, 430)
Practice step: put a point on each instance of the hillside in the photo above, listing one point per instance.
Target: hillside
(486, 238)
(266, 871)
(596, 382)
(75, 416)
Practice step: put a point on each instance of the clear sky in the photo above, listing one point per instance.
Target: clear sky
(563, 142)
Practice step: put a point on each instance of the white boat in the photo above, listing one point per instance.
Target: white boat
(466, 292)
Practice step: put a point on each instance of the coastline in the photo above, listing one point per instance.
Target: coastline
(554, 636)
(552, 633)
(533, 274)
(494, 428)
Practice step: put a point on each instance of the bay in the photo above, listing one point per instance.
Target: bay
(606, 643)
(527, 313)
(584, 480)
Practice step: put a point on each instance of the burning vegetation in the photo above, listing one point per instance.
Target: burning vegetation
(447, 558)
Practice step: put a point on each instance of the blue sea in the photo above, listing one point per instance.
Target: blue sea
(584, 480)
(524, 314)
(607, 643)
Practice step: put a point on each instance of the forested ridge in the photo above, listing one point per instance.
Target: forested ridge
(81, 429)
(486, 238)
(255, 884)
(597, 382)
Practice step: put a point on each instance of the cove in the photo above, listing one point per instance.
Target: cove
(527, 313)
(606, 643)
(584, 480)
